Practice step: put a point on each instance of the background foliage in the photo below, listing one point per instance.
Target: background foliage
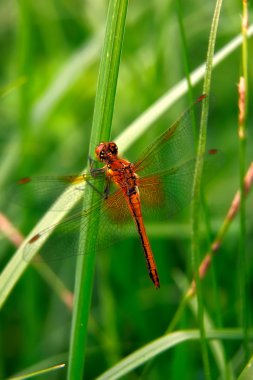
(48, 73)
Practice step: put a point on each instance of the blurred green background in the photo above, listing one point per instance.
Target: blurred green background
(48, 74)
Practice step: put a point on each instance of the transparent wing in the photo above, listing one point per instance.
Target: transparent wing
(115, 224)
(174, 146)
(170, 190)
(45, 190)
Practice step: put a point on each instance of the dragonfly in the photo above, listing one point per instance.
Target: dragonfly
(158, 184)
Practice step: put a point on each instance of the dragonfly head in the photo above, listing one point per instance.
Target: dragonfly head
(106, 151)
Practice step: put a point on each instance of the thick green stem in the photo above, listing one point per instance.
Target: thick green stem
(101, 127)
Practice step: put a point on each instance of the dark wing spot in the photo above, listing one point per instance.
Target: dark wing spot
(24, 180)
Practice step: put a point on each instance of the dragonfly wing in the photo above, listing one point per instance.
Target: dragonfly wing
(59, 240)
(170, 190)
(45, 190)
(174, 146)
(115, 223)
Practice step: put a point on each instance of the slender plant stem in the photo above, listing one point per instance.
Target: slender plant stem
(190, 86)
(102, 120)
(242, 103)
(197, 186)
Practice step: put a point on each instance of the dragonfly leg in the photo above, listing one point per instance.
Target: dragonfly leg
(95, 172)
(95, 189)
(91, 163)
(107, 188)
(106, 191)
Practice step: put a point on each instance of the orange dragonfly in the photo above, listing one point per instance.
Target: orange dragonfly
(158, 183)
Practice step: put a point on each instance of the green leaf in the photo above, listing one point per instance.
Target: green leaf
(160, 345)
(31, 375)
(247, 373)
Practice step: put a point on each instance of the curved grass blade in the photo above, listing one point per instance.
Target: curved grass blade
(151, 350)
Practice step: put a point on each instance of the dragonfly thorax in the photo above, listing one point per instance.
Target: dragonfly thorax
(106, 151)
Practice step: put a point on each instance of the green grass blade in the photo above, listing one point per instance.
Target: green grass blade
(103, 113)
(162, 344)
(247, 373)
(32, 375)
(197, 186)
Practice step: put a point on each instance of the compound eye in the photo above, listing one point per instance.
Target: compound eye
(113, 149)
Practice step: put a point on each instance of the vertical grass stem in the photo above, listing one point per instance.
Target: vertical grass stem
(242, 105)
(197, 186)
(101, 127)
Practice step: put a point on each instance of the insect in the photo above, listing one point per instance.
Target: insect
(157, 184)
